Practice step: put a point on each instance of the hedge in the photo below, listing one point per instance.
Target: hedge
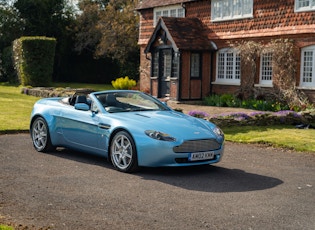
(34, 60)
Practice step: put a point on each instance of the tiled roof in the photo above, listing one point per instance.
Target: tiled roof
(183, 33)
(145, 4)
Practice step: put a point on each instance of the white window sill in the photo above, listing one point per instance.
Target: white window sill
(226, 83)
(306, 87)
(231, 18)
(263, 85)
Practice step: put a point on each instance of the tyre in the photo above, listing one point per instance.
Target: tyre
(40, 136)
(123, 152)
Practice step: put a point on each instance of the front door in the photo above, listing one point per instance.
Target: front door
(165, 72)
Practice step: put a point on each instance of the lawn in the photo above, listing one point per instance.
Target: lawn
(277, 136)
(15, 110)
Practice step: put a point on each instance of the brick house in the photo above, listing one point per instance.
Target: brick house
(185, 51)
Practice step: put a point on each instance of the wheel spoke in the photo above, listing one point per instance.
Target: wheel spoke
(122, 152)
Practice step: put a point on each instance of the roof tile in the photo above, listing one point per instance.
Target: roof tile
(145, 4)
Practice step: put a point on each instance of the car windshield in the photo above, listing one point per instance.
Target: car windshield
(114, 102)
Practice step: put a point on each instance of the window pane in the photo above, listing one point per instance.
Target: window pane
(266, 67)
(195, 65)
(307, 67)
(180, 13)
(230, 9)
(175, 66)
(303, 3)
(155, 70)
(221, 61)
(237, 7)
(229, 66)
(167, 63)
(226, 9)
(169, 11)
(237, 66)
(173, 13)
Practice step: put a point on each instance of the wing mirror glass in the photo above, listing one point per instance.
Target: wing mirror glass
(82, 106)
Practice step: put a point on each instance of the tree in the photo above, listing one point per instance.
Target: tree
(51, 19)
(11, 27)
(110, 29)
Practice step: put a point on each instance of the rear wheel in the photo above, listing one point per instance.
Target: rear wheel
(40, 136)
(123, 152)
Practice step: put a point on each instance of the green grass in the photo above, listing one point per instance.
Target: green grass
(15, 110)
(277, 136)
(5, 227)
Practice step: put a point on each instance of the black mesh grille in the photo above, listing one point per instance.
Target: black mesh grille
(197, 146)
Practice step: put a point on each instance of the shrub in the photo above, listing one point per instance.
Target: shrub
(124, 83)
(34, 59)
(228, 100)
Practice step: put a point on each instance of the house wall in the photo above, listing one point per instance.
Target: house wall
(271, 20)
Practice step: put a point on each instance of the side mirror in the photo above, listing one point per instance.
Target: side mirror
(82, 106)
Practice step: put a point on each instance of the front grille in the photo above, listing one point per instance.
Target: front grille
(197, 146)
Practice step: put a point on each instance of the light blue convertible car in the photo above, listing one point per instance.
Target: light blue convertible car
(130, 128)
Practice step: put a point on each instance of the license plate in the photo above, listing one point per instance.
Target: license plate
(201, 156)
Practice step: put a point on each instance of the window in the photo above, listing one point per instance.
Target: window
(304, 5)
(195, 65)
(222, 10)
(308, 67)
(229, 66)
(176, 11)
(155, 64)
(266, 69)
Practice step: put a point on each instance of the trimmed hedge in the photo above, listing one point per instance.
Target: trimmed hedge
(34, 60)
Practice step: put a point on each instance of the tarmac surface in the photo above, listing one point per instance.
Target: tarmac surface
(253, 187)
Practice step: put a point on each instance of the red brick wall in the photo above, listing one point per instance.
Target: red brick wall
(271, 20)
(145, 70)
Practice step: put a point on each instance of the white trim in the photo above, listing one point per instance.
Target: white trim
(225, 10)
(225, 83)
(310, 7)
(263, 86)
(168, 11)
(261, 81)
(310, 68)
(231, 69)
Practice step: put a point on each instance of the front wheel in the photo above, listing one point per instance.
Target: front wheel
(123, 152)
(40, 136)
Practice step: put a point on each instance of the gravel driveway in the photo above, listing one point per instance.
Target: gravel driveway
(253, 187)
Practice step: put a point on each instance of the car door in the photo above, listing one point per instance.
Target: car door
(80, 128)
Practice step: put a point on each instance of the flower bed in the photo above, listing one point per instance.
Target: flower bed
(259, 118)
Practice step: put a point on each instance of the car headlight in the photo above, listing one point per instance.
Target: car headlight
(159, 135)
(218, 131)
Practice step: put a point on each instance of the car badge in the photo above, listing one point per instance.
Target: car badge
(196, 133)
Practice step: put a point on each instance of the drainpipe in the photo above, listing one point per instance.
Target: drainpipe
(215, 48)
(211, 72)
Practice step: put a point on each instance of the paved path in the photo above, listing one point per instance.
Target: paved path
(252, 188)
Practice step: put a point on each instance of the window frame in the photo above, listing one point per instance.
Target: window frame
(195, 66)
(168, 11)
(265, 69)
(236, 67)
(312, 68)
(311, 6)
(218, 6)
